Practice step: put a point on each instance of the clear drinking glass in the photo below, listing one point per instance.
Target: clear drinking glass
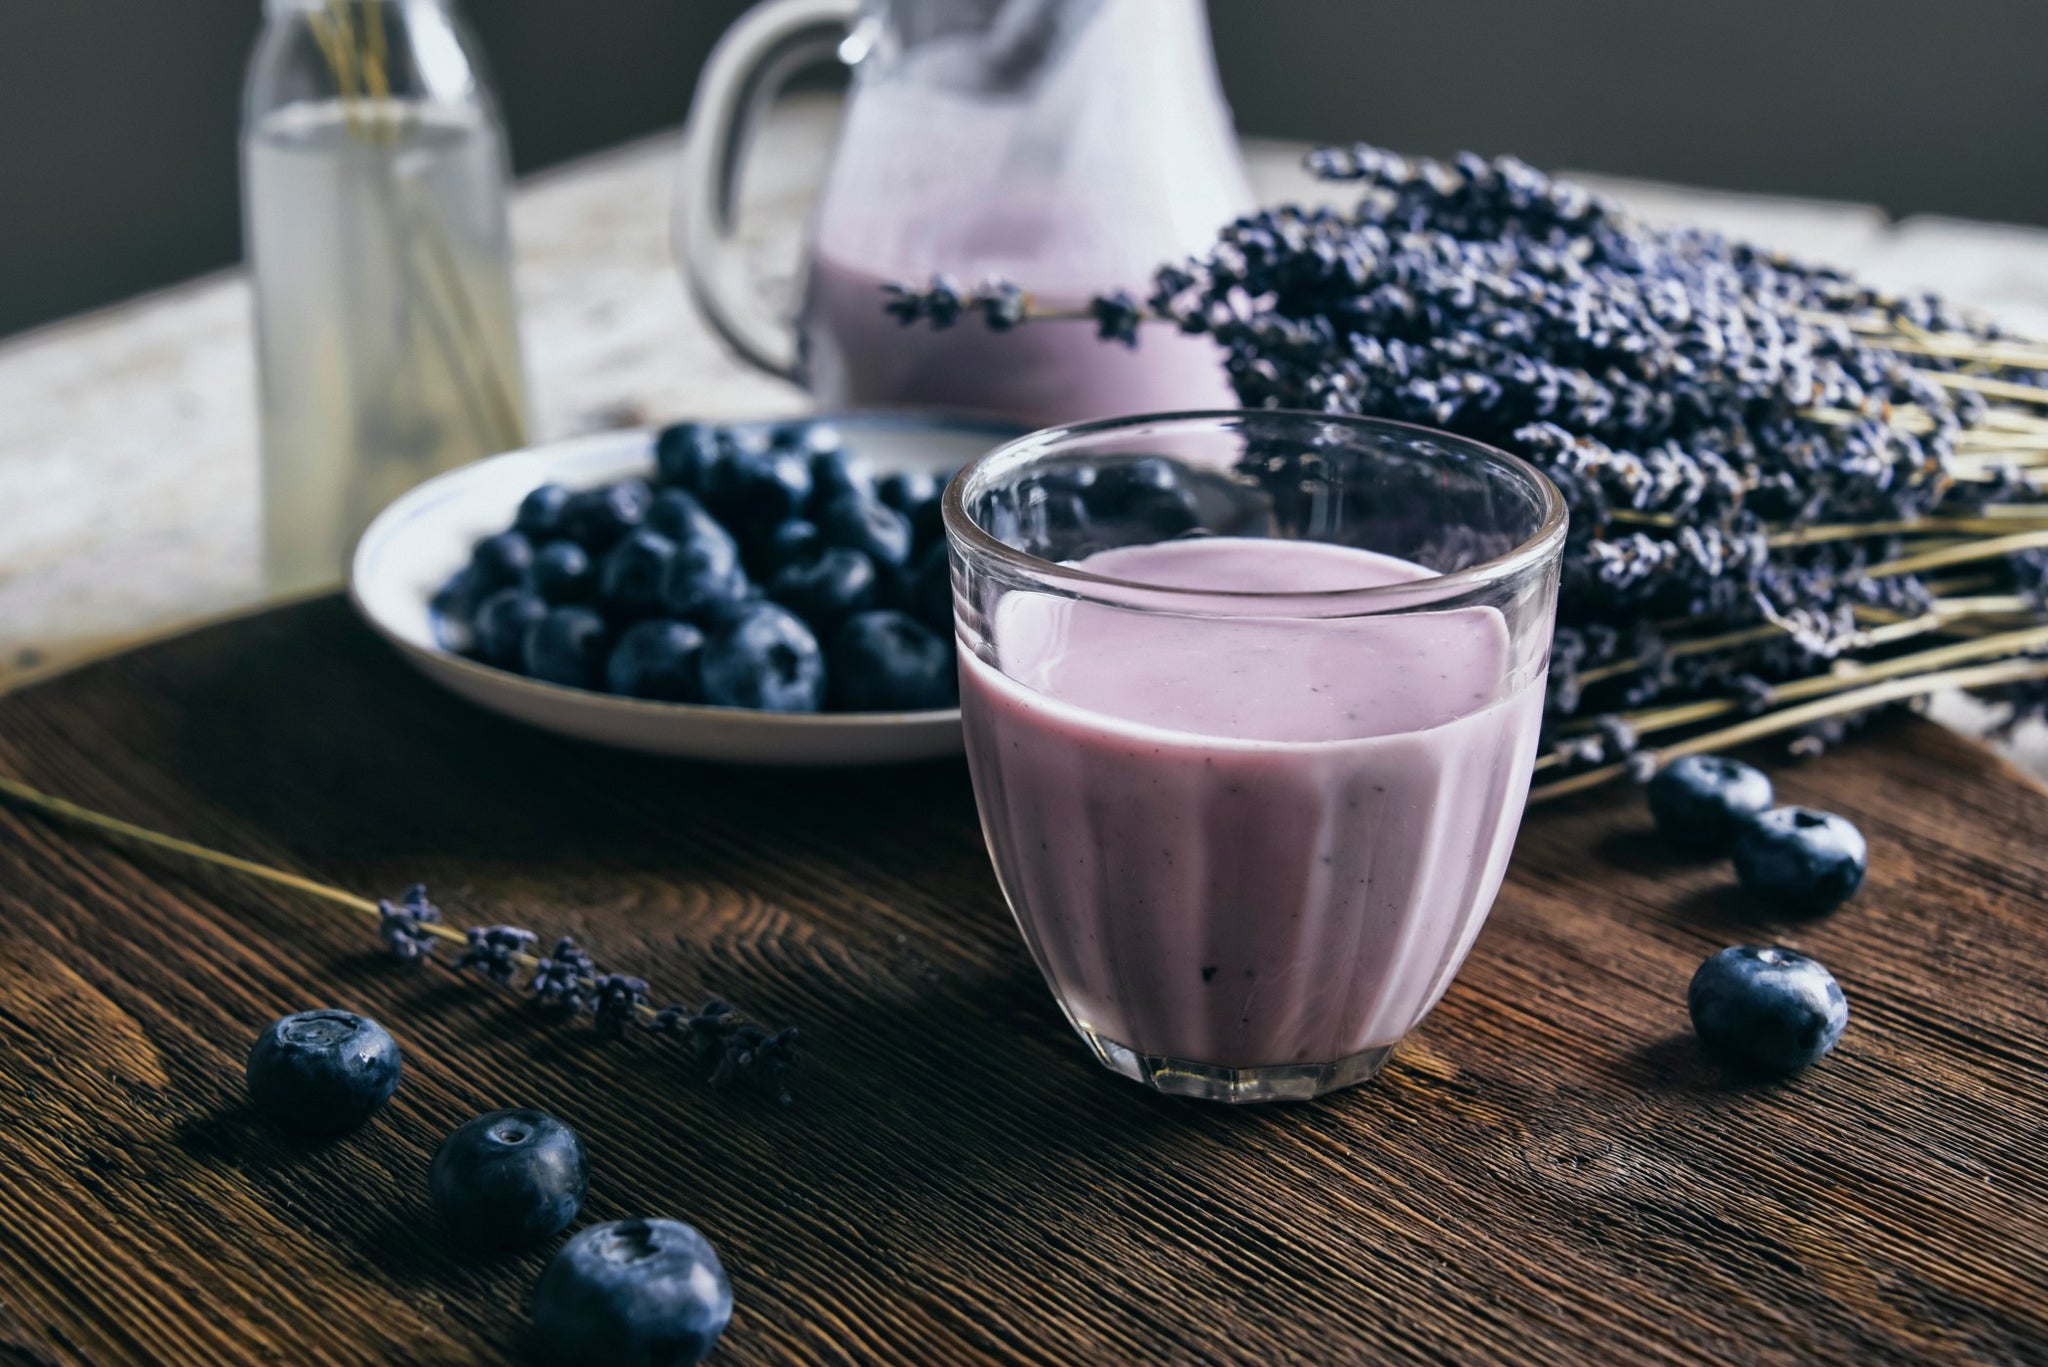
(1251, 703)
(373, 193)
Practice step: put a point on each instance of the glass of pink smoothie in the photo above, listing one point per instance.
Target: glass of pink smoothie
(1251, 703)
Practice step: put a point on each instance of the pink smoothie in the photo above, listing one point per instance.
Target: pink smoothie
(1043, 374)
(1254, 841)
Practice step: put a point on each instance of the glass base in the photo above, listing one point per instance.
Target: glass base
(1212, 1082)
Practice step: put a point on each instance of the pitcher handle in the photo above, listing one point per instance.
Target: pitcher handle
(755, 59)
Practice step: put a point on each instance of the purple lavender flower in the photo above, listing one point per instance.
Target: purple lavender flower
(1116, 317)
(563, 978)
(401, 925)
(491, 949)
(616, 1001)
(1001, 304)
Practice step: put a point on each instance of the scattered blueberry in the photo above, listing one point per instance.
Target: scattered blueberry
(764, 658)
(566, 647)
(866, 525)
(704, 576)
(931, 592)
(1702, 802)
(1767, 1010)
(562, 572)
(321, 1072)
(1805, 861)
(633, 1293)
(501, 561)
(635, 572)
(903, 490)
(828, 590)
(886, 662)
(502, 621)
(598, 517)
(509, 1179)
(657, 659)
(684, 454)
(540, 512)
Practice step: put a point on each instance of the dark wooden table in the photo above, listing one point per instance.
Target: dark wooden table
(1545, 1172)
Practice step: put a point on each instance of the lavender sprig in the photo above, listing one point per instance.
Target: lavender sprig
(402, 925)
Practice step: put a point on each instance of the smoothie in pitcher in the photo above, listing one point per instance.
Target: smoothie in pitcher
(1252, 841)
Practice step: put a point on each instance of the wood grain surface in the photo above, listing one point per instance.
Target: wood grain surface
(1547, 1171)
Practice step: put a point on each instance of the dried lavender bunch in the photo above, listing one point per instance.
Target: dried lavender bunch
(1696, 400)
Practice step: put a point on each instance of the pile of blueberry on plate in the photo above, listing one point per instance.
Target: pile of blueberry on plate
(769, 592)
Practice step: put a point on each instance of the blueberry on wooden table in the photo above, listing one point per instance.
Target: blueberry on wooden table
(1802, 861)
(1766, 1009)
(567, 647)
(633, 1293)
(657, 659)
(887, 662)
(509, 1179)
(563, 572)
(827, 590)
(322, 1072)
(764, 658)
(1702, 802)
(502, 623)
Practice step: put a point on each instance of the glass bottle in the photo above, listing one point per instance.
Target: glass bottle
(374, 172)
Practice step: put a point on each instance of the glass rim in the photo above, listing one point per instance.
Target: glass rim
(1546, 542)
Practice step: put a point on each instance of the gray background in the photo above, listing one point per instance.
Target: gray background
(118, 117)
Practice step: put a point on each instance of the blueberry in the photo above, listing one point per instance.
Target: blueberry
(704, 576)
(903, 490)
(885, 662)
(827, 590)
(453, 610)
(834, 473)
(680, 517)
(765, 659)
(566, 647)
(1058, 519)
(1118, 489)
(633, 1293)
(1806, 862)
(684, 453)
(562, 572)
(540, 512)
(502, 621)
(635, 572)
(930, 599)
(758, 490)
(1164, 513)
(792, 543)
(598, 517)
(927, 525)
(657, 659)
(501, 561)
(1766, 1010)
(321, 1072)
(1702, 802)
(509, 1179)
(866, 525)
(810, 439)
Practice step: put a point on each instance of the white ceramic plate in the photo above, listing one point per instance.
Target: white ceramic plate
(418, 542)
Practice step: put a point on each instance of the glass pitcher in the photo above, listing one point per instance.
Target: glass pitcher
(1070, 146)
